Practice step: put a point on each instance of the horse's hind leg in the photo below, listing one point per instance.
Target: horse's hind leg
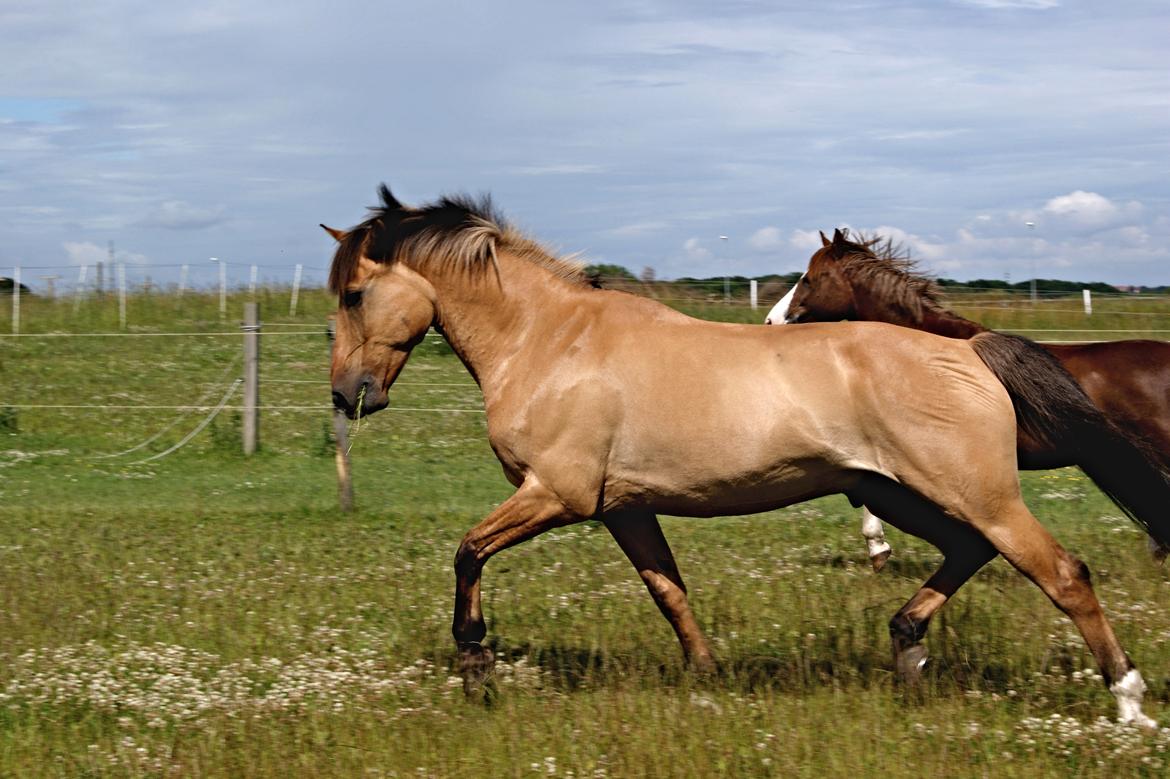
(876, 545)
(965, 552)
(1065, 580)
(640, 537)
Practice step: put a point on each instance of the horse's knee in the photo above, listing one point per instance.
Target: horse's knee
(467, 559)
(663, 589)
(1074, 580)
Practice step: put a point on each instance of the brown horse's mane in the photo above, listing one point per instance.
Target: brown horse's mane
(457, 232)
(885, 268)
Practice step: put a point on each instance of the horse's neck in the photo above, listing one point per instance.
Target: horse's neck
(933, 320)
(949, 324)
(487, 320)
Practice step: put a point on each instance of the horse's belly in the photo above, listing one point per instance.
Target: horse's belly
(716, 491)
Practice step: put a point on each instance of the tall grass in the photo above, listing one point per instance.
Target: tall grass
(208, 614)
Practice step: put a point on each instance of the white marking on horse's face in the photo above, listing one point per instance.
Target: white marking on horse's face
(779, 313)
(1129, 693)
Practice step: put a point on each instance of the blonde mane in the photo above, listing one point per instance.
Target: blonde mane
(456, 233)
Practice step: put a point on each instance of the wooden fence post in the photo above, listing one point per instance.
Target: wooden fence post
(341, 446)
(1088, 296)
(754, 294)
(251, 328)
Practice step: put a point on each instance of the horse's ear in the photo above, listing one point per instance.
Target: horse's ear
(825, 242)
(338, 235)
(389, 202)
(839, 237)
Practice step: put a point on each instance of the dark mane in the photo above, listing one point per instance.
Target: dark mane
(886, 269)
(457, 230)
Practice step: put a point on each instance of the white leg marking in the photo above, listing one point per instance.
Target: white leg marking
(1129, 693)
(875, 537)
(779, 313)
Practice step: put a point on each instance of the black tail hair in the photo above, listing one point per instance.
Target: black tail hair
(1052, 409)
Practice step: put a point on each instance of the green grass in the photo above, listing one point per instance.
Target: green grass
(207, 614)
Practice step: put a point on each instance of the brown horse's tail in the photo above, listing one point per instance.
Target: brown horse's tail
(1053, 410)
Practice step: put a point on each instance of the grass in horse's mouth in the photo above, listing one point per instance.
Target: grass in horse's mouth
(361, 398)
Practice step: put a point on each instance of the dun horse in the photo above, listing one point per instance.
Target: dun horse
(603, 405)
(1128, 380)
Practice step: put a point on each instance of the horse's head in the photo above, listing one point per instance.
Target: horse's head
(384, 310)
(823, 293)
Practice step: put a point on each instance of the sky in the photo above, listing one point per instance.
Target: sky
(634, 133)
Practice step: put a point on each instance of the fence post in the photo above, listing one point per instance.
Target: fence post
(296, 290)
(79, 293)
(122, 295)
(340, 446)
(754, 290)
(251, 328)
(1088, 296)
(16, 299)
(252, 283)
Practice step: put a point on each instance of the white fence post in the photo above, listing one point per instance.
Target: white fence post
(16, 299)
(296, 290)
(222, 290)
(79, 293)
(251, 328)
(1088, 296)
(252, 282)
(754, 290)
(122, 295)
(183, 270)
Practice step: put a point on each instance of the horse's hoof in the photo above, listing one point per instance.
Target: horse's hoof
(701, 665)
(1158, 550)
(476, 663)
(878, 561)
(910, 662)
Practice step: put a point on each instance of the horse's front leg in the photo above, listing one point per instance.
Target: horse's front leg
(530, 511)
(875, 539)
(640, 537)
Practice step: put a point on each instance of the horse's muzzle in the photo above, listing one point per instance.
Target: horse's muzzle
(364, 394)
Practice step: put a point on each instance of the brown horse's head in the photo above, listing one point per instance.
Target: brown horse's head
(823, 293)
(384, 310)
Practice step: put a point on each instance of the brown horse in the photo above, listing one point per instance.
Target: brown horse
(1128, 380)
(604, 405)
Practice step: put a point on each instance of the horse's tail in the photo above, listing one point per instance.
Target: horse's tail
(1053, 410)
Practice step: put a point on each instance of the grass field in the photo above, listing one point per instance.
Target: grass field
(207, 614)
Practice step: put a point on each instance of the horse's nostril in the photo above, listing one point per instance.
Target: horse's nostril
(768, 321)
(339, 401)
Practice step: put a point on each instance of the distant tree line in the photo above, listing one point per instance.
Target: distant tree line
(607, 272)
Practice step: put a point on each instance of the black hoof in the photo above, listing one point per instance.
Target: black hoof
(476, 664)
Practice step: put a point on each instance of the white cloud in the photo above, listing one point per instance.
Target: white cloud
(1031, 5)
(89, 253)
(766, 239)
(566, 169)
(179, 215)
(809, 240)
(640, 228)
(1088, 209)
(695, 251)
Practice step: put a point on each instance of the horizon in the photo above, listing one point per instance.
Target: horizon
(692, 139)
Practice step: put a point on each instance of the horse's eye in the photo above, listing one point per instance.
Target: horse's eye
(352, 298)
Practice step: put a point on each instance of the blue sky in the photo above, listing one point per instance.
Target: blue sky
(634, 133)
